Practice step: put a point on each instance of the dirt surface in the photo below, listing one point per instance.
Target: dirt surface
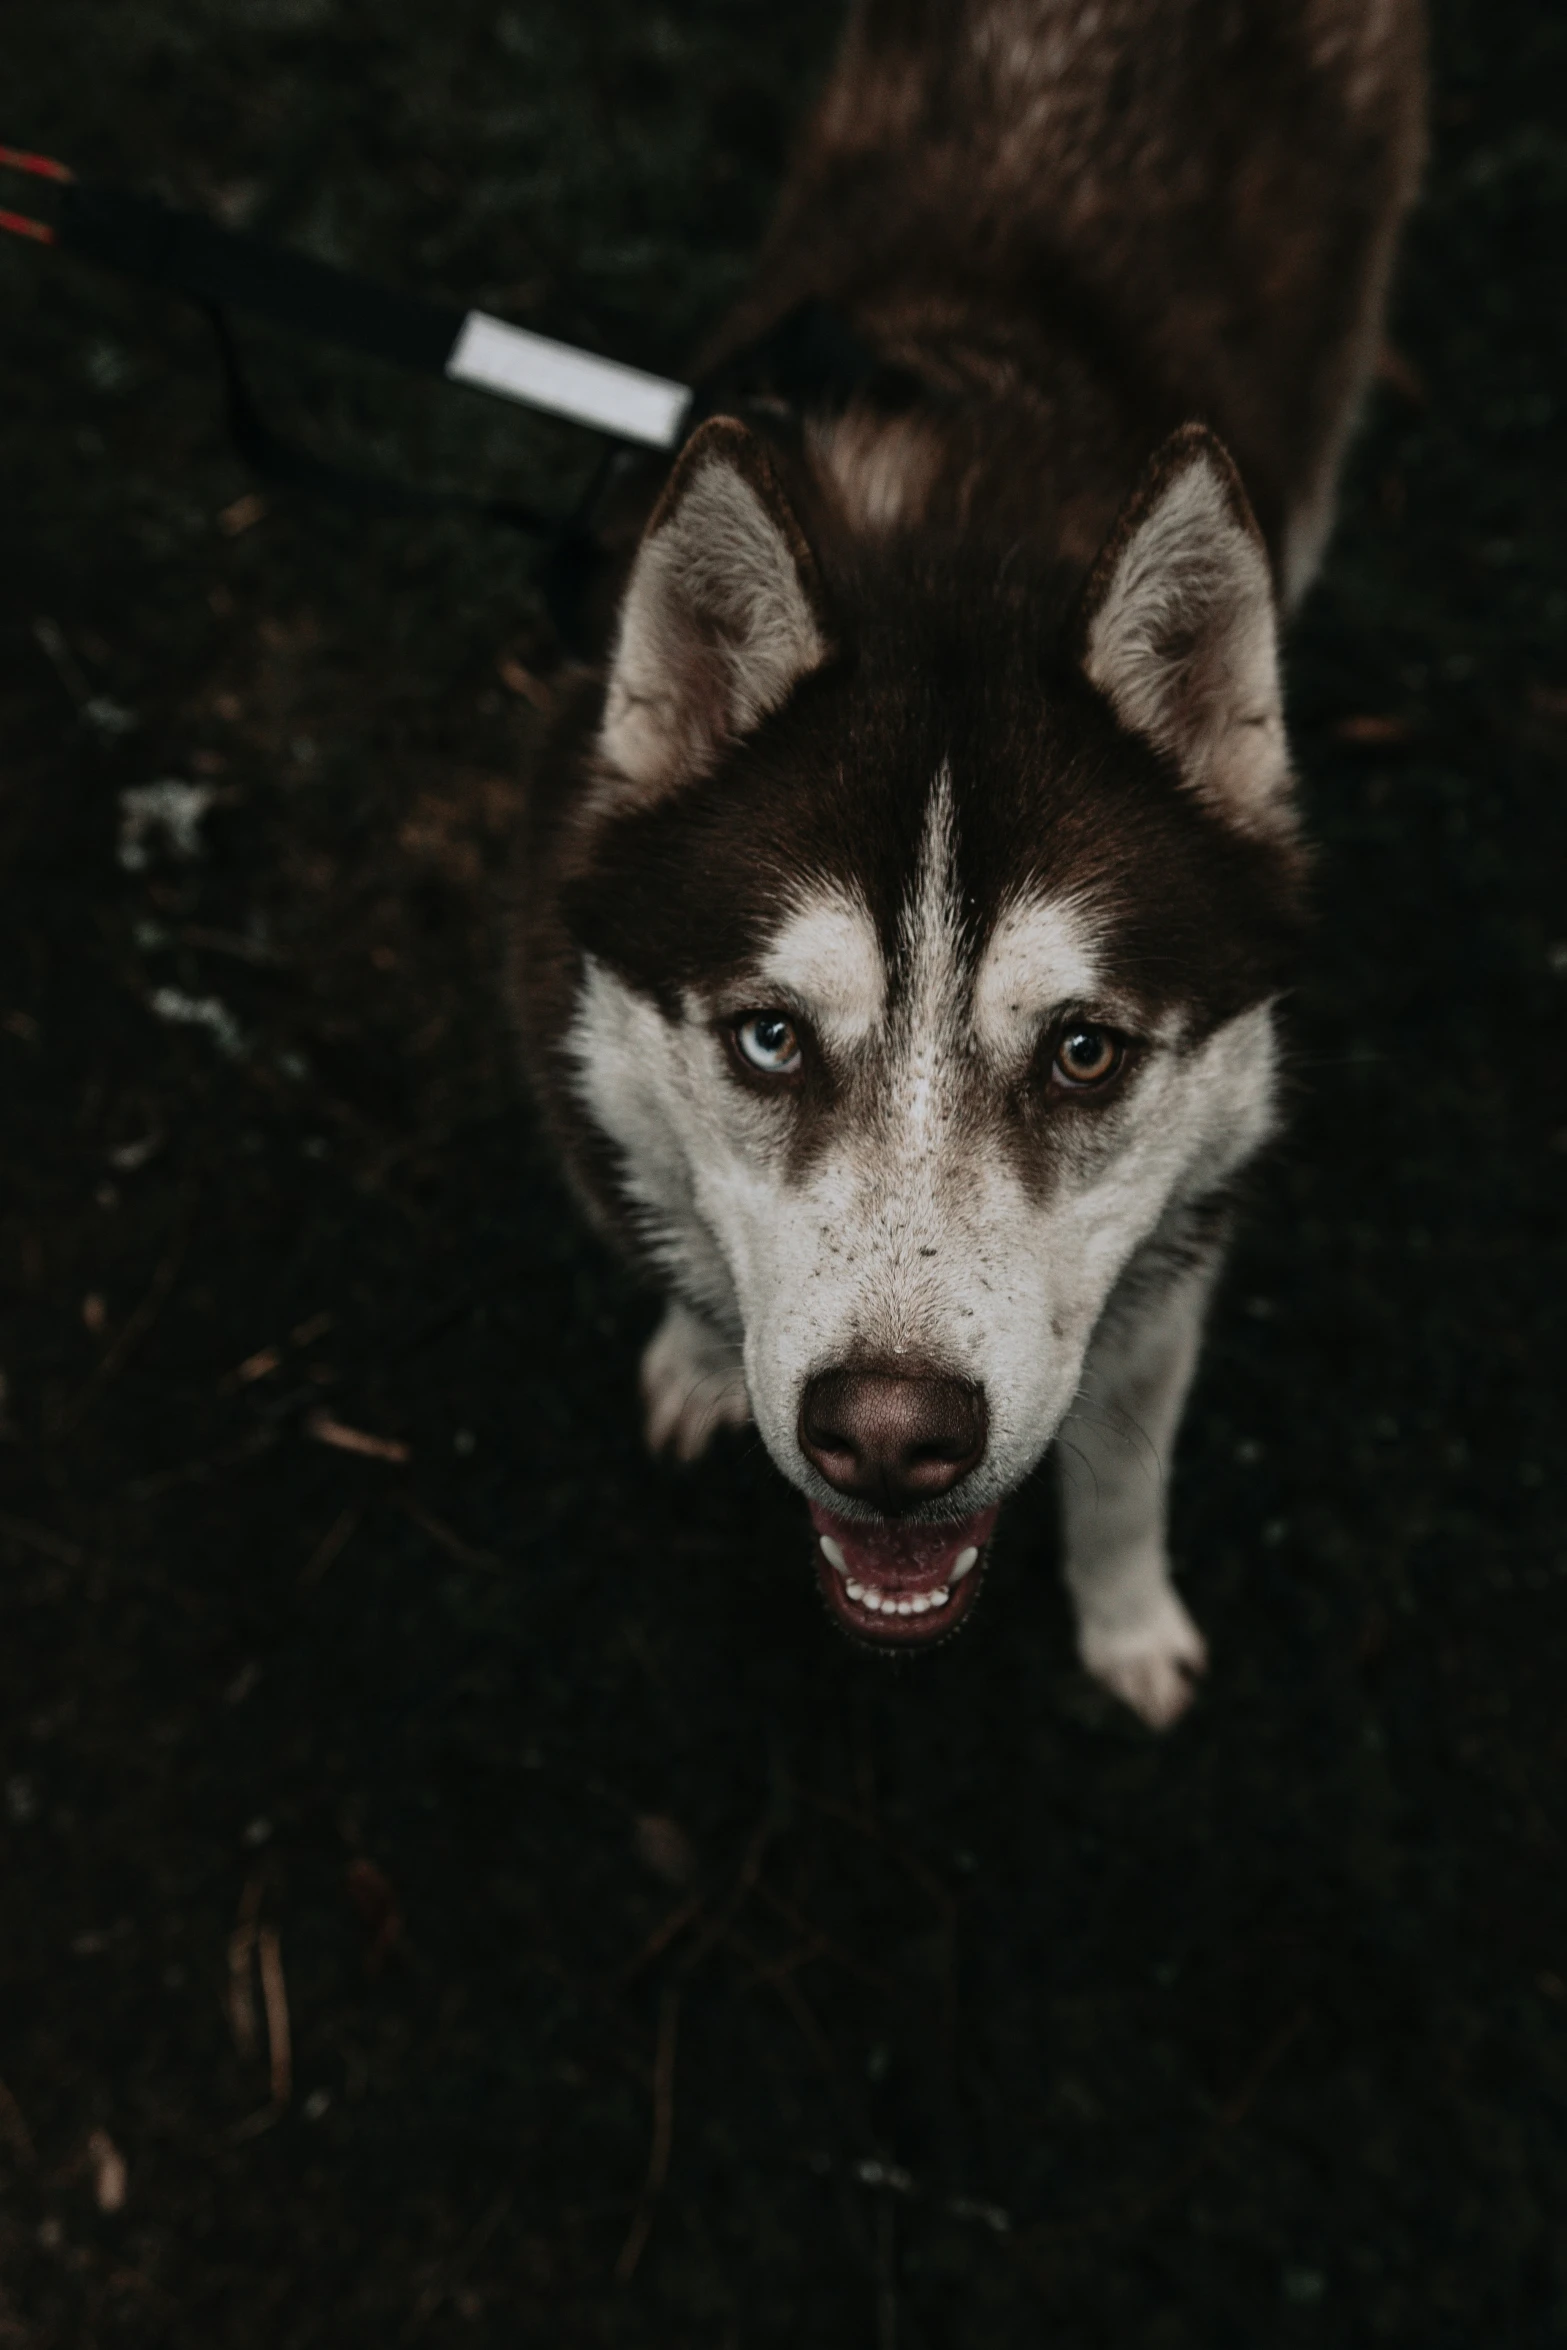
(656, 1970)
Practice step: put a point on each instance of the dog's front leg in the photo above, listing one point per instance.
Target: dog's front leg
(692, 1384)
(1115, 1452)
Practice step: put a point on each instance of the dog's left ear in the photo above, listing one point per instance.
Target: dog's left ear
(1180, 633)
(722, 617)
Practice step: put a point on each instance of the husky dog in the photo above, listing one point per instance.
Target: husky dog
(906, 896)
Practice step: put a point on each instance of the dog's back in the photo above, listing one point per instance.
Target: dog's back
(1086, 221)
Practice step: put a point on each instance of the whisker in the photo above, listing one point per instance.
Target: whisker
(1064, 1445)
(1115, 1420)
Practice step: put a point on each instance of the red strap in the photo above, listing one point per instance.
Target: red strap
(20, 226)
(42, 167)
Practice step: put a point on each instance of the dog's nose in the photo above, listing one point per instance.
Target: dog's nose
(889, 1438)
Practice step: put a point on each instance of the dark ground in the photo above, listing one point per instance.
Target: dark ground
(1254, 2035)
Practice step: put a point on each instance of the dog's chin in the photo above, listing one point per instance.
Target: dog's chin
(895, 1584)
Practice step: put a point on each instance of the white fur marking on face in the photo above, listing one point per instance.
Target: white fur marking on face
(827, 959)
(910, 1229)
(1041, 959)
(931, 936)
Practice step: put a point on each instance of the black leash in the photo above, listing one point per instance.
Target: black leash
(290, 467)
(811, 362)
(226, 269)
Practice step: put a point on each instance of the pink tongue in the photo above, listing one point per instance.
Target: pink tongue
(894, 1553)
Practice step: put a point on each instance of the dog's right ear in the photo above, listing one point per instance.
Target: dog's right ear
(722, 617)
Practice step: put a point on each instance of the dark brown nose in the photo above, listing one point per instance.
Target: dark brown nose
(889, 1438)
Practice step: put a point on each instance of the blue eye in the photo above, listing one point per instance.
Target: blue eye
(766, 1041)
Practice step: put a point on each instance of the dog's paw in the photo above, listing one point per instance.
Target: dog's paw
(1153, 1665)
(692, 1385)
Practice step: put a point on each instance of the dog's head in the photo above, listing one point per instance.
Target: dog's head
(930, 920)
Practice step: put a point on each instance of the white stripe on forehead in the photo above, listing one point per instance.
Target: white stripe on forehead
(1041, 958)
(828, 960)
(930, 937)
(932, 924)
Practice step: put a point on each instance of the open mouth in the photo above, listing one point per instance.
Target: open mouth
(898, 1584)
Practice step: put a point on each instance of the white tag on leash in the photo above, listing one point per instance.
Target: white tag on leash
(566, 382)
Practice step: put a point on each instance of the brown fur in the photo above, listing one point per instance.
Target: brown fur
(1084, 222)
(1073, 229)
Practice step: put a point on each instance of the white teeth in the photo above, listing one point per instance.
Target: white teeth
(964, 1563)
(876, 1604)
(832, 1552)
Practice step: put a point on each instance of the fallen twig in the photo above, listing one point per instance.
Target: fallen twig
(821, 1944)
(906, 1859)
(335, 1540)
(886, 2275)
(120, 1348)
(467, 1554)
(1230, 2116)
(267, 1359)
(47, 1544)
(241, 1998)
(665, 1932)
(251, 1939)
(446, 2281)
(375, 1900)
(14, 2127)
(850, 2113)
(663, 2134)
(274, 1998)
(1234, 2112)
(721, 1919)
(109, 2175)
(717, 1929)
(326, 1430)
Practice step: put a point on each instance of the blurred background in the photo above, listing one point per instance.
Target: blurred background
(456, 1887)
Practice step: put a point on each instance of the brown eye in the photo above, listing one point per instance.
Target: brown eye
(767, 1043)
(1087, 1056)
